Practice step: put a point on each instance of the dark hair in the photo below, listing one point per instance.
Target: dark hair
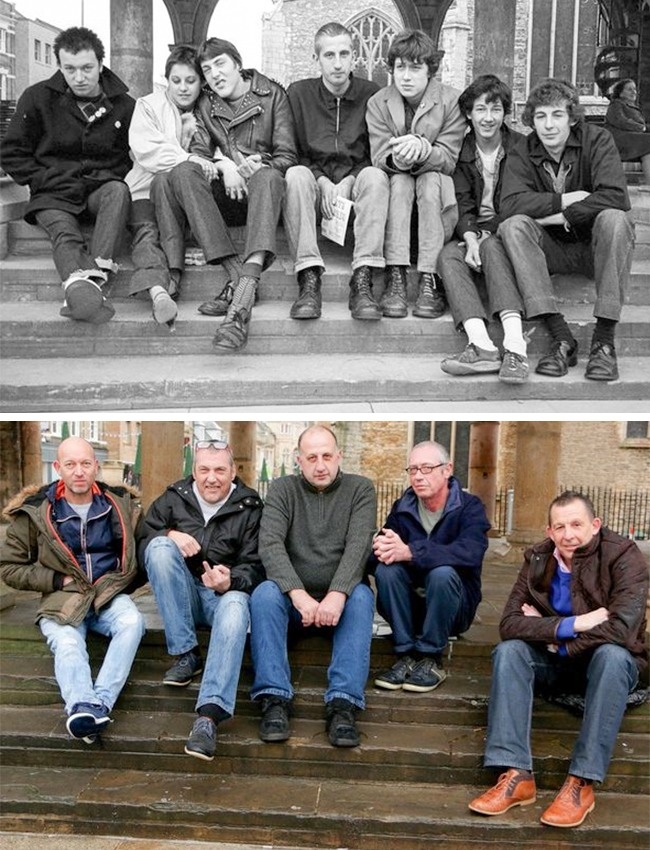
(489, 85)
(569, 496)
(330, 30)
(182, 54)
(76, 39)
(618, 87)
(549, 92)
(215, 47)
(416, 46)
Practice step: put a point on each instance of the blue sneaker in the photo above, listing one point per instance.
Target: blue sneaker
(87, 720)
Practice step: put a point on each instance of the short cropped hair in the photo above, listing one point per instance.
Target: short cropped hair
(76, 39)
(182, 54)
(416, 46)
(618, 87)
(443, 452)
(215, 47)
(318, 428)
(330, 30)
(492, 87)
(569, 496)
(548, 93)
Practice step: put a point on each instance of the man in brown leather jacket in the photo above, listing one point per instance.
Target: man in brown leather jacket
(575, 620)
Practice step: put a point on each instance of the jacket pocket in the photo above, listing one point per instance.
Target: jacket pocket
(65, 607)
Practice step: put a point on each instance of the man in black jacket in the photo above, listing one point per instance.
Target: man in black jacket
(199, 548)
(69, 142)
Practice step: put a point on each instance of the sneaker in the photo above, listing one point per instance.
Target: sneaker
(514, 368)
(274, 725)
(164, 308)
(202, 741)
(513, 788)
(341, 726)
(472, 361)
(185, 668)
(87, 720)
(572, 805)
(84, 299)
(393, 679)
(425, 676)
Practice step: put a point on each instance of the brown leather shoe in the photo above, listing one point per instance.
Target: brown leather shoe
(513, 788)
(572, 805)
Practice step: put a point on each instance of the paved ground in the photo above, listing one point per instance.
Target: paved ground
(22, 841)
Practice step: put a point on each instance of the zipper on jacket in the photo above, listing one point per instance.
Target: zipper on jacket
(338, 124)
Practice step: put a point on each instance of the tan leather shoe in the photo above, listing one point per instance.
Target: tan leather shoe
(513, 788)
(572, 805)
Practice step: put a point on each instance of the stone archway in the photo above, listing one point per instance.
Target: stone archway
(190, 19)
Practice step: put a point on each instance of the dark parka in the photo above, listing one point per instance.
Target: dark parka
(594, 166)
(229, 538)
(262, 125)
(35, 557)
(50, 146)
(469, 184)
(609, 572)
(458, 540)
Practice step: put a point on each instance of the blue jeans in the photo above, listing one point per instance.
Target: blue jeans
(148, 258)
(273, 617)
(423, 624)
(535, 255)
(120, 621)
(109, 207)
(460, 281)
(185, 603)
(301, 211)
(519, 670)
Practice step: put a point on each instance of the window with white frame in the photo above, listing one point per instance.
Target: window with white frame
(38, 50)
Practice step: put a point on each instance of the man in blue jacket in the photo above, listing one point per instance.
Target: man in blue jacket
(427, 563)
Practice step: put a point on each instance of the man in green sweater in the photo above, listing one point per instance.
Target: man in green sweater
(315, 538)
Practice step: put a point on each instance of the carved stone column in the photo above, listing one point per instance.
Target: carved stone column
(132, 44)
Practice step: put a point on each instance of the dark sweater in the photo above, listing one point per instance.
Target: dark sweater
(317, 540)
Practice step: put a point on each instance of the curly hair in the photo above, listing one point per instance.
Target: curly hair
(76, 39)
(416, 46)
(548, 93)
(492, 87)
(183, 54)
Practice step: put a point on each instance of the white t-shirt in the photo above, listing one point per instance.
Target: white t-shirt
(209, 509)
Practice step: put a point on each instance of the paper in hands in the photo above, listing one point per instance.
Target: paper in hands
(335, 228)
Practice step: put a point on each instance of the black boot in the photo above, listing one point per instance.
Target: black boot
(362, 303)
(431, 301)
(393, 299)
(308, 303)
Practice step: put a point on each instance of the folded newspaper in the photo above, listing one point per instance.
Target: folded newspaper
(335, 228)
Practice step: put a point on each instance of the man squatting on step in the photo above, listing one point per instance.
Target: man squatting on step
(198, 544)
(73, 541)
(575, 619)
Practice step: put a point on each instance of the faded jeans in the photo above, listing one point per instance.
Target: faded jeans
(519, 670)
(109, 207)
(147, 255)
(460, 281)
(536, 255)
(301, 212)
(435, 223)
(273, 617)
(185, 603)
(120, 621)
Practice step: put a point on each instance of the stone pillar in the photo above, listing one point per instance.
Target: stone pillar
(30, 444)
(536, 478)
(11, 474)
(162, 457)
(242, 437)
(132, 44)
(494, 38)
(483, 450)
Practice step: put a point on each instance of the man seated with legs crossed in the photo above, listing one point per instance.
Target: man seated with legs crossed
(315, 540)
(574, 621)
(427, 561)
(329, 115)
(199, 548)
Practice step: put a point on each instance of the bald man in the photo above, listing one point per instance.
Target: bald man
(73, 541)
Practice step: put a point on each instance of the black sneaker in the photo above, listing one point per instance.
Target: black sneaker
(187, 666)
(341, 726)
(393, 679)
(274, 725)
(86, 721)
(202, 741)
(425, 676)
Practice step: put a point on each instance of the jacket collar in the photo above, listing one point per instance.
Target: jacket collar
(539, 154)
(468, 150)
(329, 489)
(409, 501)
(111, 84)
(241, 493)
(349, 94)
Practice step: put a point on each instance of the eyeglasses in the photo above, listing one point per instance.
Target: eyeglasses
(211, 444)
(424, 468)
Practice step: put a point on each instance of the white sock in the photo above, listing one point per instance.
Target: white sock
(478, 335)
(156, 290)
(513, 334)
